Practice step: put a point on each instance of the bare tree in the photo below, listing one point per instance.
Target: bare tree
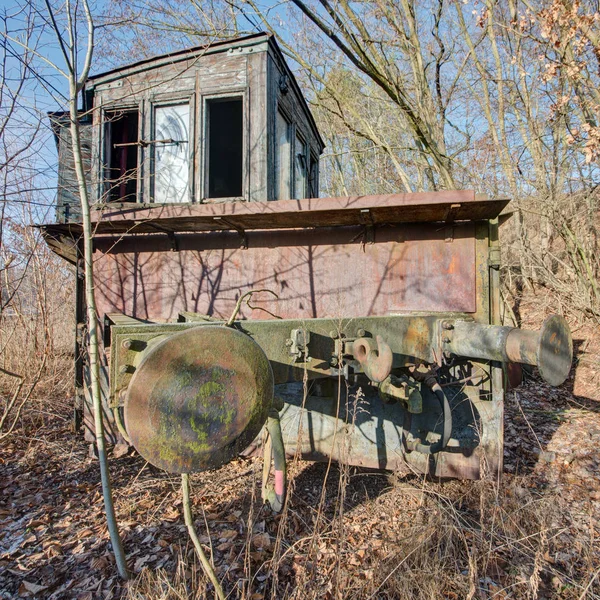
(68, 42)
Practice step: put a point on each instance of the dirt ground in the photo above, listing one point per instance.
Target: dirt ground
(345, 533)
(363, 534)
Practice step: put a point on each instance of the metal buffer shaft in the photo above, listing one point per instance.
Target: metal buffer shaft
(550, 348)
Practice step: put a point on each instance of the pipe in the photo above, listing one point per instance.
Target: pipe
(550, 348)
(417, 445)
(274, 447)
(441, 444)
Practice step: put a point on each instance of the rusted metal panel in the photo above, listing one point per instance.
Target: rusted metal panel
(359, 429)
(198, 398)
(320, 212)
(410, 338)
(315, 273)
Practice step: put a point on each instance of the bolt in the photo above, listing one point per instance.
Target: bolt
(333, 334)
(124, 369)
(126, 344)
(447, 325)
(289, 342)
(446, 340)
(361, 333)
(334, 361)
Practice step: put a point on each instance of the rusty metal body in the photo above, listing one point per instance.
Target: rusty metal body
(393, 299)
(403, 316)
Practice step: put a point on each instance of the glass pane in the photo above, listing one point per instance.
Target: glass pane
(225, 148)
(283, 159)
(121, 155)
(300, 169)
(171, 153)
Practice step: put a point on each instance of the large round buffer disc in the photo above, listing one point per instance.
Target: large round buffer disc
(198, 398)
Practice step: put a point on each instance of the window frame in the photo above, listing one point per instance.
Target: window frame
(103, 184)
(204, 133)
(158, 102)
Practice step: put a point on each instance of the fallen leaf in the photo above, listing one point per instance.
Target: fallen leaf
(261, 540)
(99, 563)
(27, 588)
(224, 546)
(228, 534)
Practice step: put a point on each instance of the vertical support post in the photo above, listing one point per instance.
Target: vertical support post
(495, 318)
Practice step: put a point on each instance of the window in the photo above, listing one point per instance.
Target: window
(283, 158)
(313, 177)
(121, 143)
(225, 152)
(171, 153)
(300, 169)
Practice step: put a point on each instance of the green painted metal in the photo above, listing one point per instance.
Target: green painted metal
(198, 398)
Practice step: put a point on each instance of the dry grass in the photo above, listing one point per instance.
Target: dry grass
(36, 330)
(419, 540)
(344, 533)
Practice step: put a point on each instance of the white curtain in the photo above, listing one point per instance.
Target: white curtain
(171, 153)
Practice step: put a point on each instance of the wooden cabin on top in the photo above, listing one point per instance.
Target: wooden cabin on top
(223, 122)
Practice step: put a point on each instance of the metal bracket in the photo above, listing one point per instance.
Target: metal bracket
(494, 257)
(173, 242)
(449, 234)
(240, 230)
(298, 344)
(366, 218)
(452, 213)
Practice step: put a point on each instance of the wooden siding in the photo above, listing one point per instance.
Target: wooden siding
(68, 203)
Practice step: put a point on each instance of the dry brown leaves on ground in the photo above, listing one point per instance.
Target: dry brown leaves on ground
(345, 533)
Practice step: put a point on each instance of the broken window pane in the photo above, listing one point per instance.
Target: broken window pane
(171, 153)
(225, 147)
(283, 156)
(300, 170)
(121, 145)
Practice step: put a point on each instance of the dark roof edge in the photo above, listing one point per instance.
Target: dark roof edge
(178, 55)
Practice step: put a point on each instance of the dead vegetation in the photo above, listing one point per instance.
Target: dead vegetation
(345, 532)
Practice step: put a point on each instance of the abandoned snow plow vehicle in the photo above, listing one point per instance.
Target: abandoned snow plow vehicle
(204, 170)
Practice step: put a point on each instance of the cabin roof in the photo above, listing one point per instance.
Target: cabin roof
(170, 58)
(178, 55)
